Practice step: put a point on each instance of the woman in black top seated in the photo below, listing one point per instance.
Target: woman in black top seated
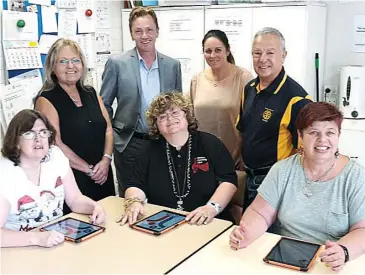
(183, 168)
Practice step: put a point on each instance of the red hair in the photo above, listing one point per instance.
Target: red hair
(318, 111)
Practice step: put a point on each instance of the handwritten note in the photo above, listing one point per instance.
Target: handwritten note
(103, 14)
(87, 45)
(67, 23)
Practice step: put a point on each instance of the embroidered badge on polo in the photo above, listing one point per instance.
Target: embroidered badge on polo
(266, 115)
(200, 163)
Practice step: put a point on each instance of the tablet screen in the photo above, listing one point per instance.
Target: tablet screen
(293, 252)
(72, 228)
(161, 221)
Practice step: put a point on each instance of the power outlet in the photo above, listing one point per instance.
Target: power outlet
(330, 94)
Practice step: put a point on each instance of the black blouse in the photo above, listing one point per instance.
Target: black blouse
(211, 164)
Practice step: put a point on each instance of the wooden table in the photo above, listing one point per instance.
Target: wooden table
(218, 258)
(119, 249)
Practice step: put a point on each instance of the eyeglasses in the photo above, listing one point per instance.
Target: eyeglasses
(73, 61)
(174, 114)
(44, 133)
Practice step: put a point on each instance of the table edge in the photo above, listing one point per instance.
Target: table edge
(200, 248)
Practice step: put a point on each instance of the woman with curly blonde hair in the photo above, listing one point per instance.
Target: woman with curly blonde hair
(183, 168)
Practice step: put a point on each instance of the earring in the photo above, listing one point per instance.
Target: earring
(337, 154)
(301, 151)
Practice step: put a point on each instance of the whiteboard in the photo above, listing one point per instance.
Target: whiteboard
(237, 24)
(180, 36)
(291, 22)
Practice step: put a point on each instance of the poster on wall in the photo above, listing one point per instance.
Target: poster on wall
(358, 44)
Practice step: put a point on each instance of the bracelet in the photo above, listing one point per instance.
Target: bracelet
(215, 205)
(90, 173)
(128, 202)
(346, 252)
(108, 156)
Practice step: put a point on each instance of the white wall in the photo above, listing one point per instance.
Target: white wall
(338, 53)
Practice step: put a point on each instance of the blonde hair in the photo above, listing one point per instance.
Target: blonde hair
(166, 101)
(50, 79)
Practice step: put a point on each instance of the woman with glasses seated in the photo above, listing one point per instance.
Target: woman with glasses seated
(84, 132)
(36, 179)
(183, 168)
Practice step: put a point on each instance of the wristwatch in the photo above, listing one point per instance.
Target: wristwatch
(347, 257)
(215, 205)
(90, 173)
(108, 156)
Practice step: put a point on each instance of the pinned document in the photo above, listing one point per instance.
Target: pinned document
(46, 42)
(67, 23)
(22, 55)
(86, 16)
(49, 22)
(13, 30)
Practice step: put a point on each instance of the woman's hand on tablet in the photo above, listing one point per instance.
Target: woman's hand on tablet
(239, 237)
(202, 215)
(131, 213)
(49, 238)
(333, 256)
(98, 216)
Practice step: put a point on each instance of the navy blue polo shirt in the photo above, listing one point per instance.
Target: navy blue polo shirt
(267, 120)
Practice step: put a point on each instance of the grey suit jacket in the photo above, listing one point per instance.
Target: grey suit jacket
(122, 80)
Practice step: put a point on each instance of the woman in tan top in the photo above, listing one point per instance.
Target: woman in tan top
(217, 92)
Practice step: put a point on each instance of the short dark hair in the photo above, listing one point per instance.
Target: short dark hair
(23, 122)
(139, 12)
(221, 36)
(318, 111)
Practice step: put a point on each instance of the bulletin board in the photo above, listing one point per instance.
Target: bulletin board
(25, 46)
(7, 6)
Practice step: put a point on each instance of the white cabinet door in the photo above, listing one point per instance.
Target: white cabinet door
(237, 24)
(291, 22)
(352, 144)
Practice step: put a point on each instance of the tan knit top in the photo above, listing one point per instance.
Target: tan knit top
(217, 106)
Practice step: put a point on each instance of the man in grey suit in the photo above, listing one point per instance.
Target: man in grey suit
(135, 78)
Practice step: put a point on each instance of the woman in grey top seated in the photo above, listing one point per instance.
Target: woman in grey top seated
(317, 195)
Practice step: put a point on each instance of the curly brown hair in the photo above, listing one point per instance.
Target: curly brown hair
(23, 122)
(166, 101)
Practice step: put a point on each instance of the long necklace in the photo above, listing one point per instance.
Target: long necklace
(73, 100)
(306, 190)
(180, 194)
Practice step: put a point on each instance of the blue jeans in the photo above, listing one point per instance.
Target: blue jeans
(253, 183)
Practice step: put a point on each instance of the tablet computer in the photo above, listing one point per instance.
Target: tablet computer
(294, 254)
(74, 230)
(159, 223)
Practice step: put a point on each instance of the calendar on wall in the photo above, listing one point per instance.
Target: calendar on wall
(22, 55)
